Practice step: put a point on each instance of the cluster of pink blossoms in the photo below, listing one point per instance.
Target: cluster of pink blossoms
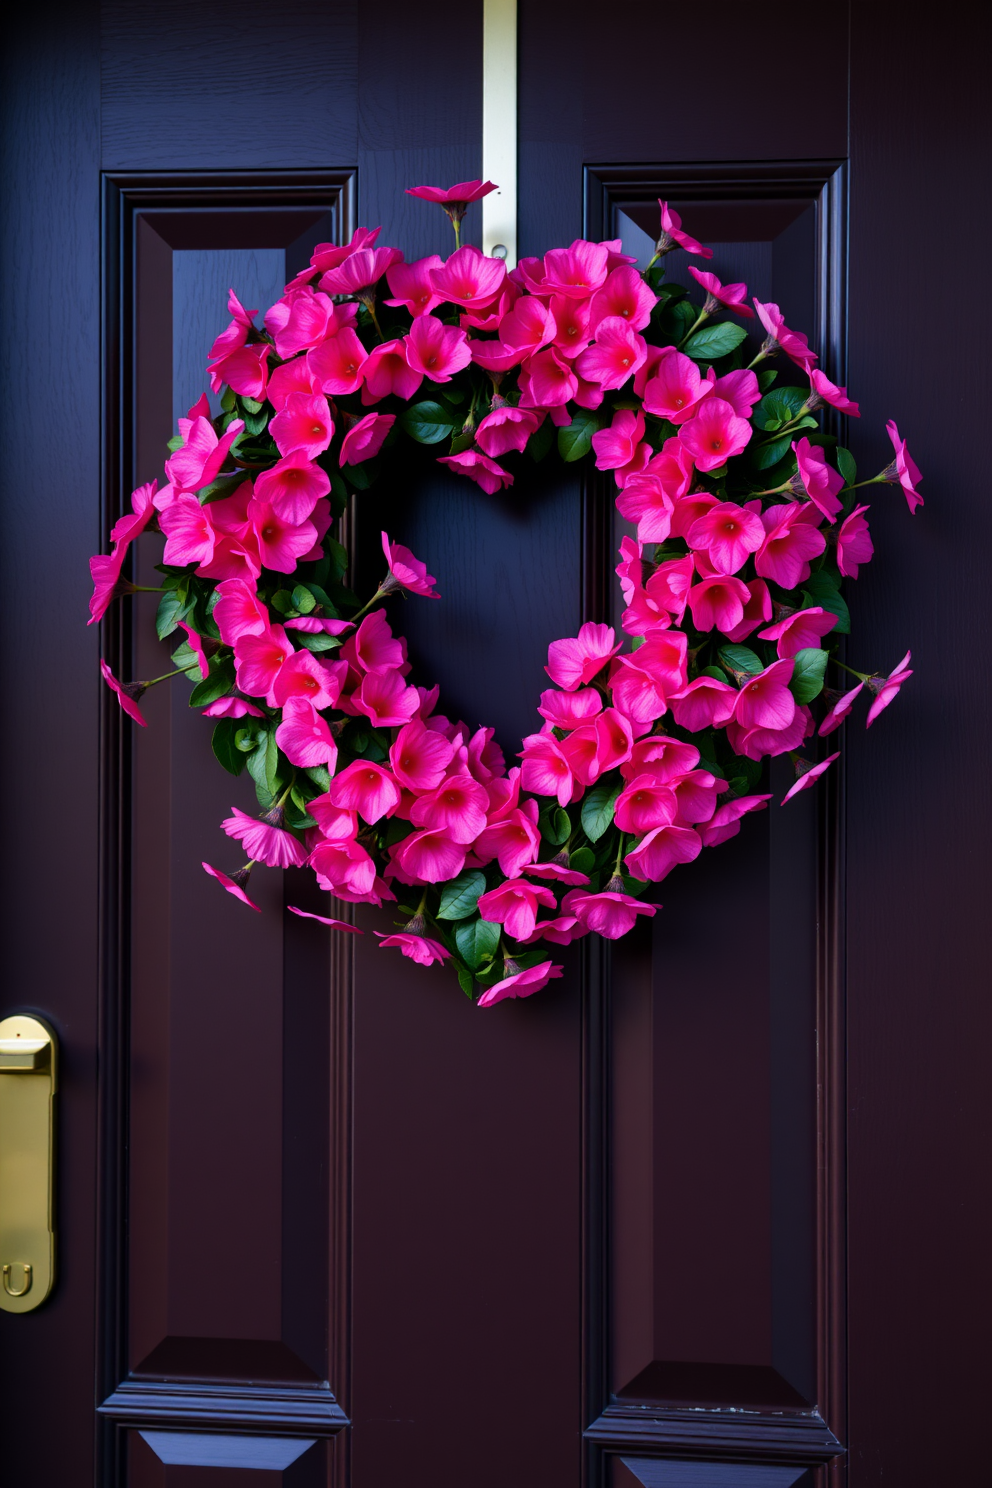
(742, 529)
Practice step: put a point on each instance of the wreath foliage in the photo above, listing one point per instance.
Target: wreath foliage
(744, 521)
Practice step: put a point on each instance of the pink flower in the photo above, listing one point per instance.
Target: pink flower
(625, 295)
(515, 904)
(808, 774)
(128, 694)
(645, 501)
(345, 868)
(105, 571)
(561, 931)
(547, 381)
(672, 234)
(258, 660)
(705, 703)
(546, 769)
(201, 456)
(765, 701)
(798, 631)
(660, 851)
(726, 820)
(291, 377)
(566, 710)
(319, 625)
(557, 873)
(460, 195)
(820, 480)
(367, 788)
(236, 333)
(575, 272)
(729, 295)
(418, 948)
(411, 285)
(469, 278)
(373, 647)
(715, 434)
(644, 804)
(420, 756)
(232, 707)
(428, 857)
(305, 914)
(610, 913)
(457, 806)
(642, 682)
(196, 646)
(572, 321)
(298, 321)
(661, 600)
(839, 709)
(234, 885)
(614, 356)
(596, 747)
(291, 489)
(408, 571)
(718, 602)
(304, 737)
(528, 326)
(364, 439)
(883, 689)
(127, 527)
(329, 255)
(903, 468)
(755, 743)
(831, 393)
(245, 371)
(304, 427)
(436, 350)
(854, 544)
(478, 467)
(521, 983)
(303, 676)
(791, 541)
(513, 840)
(793, 343)
(339, 364)
(757, 611)
(388, 371)
(696, 795)
(281, 543)
(617, 445)
(676, 389)
(359, 271)
(572, 663)
(661, 756)
(505, 428)
(189, 533)
(239, 611)
(385, 698)
(729, 534)
(265, 839)
(740, 389)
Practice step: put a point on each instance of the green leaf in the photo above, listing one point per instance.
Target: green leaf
(575, 440)
(820, 589)
(561, 827)
(778, 408)
(540, 443)
(677, 319)
(460, 897)
(770, 455)
(338, 554)
(847, 465)
(246, 739)
(427, 423)
(264, 763)
(225, 748)
(583, 860)
(303, 600)
(766, 378)
(477, 941)
(597, 809)
(807, 675)
(175, 443)
(282, 601)
(320, 775)
(250, 405)
(714, 341)
(466, 981)
(172, 607)
(717, 673)
(227, 399)
(741, 659)
(317, 642)
(220, 489)
(215, 685)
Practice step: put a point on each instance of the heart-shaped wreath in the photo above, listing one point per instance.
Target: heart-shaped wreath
(648, 751)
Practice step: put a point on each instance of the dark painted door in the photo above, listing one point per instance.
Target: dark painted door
(711, 1211)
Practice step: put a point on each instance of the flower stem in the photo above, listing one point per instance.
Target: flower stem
(704, 314)
(379, 594)
(862, 676)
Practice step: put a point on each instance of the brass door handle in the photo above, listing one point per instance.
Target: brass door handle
(28, 1070)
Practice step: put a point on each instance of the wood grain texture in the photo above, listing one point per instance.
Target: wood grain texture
(188, 86)
(51, 502)
(920, 1018)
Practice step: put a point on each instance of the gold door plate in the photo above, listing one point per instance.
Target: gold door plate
(28, 1069)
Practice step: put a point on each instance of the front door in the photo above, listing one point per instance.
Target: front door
(701, 1213)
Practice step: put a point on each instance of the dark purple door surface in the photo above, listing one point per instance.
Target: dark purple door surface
(710, 1212)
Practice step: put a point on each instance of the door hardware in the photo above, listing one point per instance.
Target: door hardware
(28, 1072)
